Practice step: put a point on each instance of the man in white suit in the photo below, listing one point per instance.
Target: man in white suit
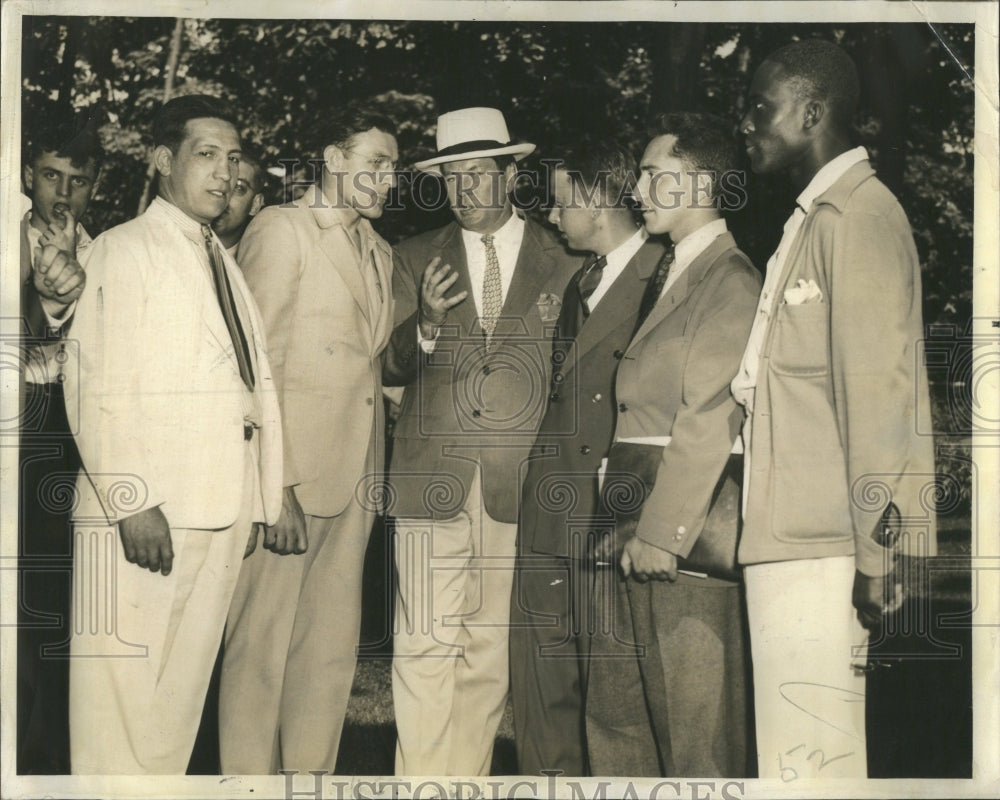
(178, 428)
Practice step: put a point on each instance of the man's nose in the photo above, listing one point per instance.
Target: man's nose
(746, 124)
(554, 216)
(639, 193)
(62, 186)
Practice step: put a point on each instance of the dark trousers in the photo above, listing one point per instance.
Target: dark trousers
(668, 687)
(549, 646)
(48, 462)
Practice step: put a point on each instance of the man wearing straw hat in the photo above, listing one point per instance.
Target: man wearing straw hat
(467, 422)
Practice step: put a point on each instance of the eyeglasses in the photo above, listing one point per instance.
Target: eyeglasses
(378, 163)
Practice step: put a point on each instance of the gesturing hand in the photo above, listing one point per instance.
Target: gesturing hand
(62, 237)
(434, 305)
(146, 539)
(288, 535)
(58, 278)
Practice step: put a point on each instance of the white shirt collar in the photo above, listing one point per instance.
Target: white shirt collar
(692, 245)
(617, 260)
(189, 226)
(619, 257)
(828, 175)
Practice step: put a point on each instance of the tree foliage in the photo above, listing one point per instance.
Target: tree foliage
(556, 82)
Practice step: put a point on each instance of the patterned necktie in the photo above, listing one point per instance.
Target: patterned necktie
(654, 288)
(224, 293)
(492, 291)
(590, 280)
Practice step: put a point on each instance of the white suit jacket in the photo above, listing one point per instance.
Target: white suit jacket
(156, 401)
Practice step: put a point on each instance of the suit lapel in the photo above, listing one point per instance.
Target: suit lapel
(450, 247)
(619, 305)
(339, 252)
(211, 313)
(338, 248)
(532, 268)
(684, 284)
(383, 267)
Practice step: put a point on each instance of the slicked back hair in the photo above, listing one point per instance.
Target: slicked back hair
(824, 71)
(603, 169)
(356, 118)
(171, 120)
(704, 141)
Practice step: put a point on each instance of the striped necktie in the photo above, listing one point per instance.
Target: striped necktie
(224, 294)
(590, 280)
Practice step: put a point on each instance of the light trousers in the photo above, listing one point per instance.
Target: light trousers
(291, 650)
(145, 644)
(809, 700)
(450, 658)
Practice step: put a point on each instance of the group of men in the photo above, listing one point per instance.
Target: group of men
(575, 415)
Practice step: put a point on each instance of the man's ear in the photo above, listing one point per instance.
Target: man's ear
(333, 158)
(703, 184)
(256, 204)
(29, 179)
(163, 159)
(813, 113)
(510, 177)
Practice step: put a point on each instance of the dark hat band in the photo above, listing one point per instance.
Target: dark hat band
(470, 147)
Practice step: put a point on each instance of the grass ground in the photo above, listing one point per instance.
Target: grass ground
(368, 742)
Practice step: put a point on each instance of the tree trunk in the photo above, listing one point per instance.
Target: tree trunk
(676, 58)
(173, 57)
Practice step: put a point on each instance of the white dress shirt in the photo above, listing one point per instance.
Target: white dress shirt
(745, 382)
(507, 243)
(617, 261)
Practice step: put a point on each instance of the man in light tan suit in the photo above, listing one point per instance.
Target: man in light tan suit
(833, 386)
(322, 277)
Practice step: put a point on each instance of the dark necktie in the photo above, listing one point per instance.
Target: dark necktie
(224, 293)
(654, 287)
(590, 279)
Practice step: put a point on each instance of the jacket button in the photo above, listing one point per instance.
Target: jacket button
(596, 398)
(677, 537)
(558, 377)
(622, 408)
(486, 370)
(475, 412)
(585, 449)
(619, 354)
(554, 397)
(370, 401)
(681, 530)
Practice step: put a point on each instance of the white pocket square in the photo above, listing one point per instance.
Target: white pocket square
(803, 292)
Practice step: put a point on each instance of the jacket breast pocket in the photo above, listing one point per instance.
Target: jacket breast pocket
(802, 339)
